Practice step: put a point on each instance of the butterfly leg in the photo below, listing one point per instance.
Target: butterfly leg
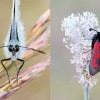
(19, 67)
(6, 68)
(33, 49)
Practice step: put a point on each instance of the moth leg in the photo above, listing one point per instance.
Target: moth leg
(87, 51)
(19, 67)
(5, 67)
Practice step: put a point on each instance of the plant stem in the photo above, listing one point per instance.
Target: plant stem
(86, 91)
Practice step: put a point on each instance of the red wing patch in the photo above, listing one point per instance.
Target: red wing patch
(94, 66)
(95, 61)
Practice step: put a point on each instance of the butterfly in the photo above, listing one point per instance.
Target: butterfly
(15, 41)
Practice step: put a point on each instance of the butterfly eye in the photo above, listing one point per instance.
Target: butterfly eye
(10, 48)
(17, 48)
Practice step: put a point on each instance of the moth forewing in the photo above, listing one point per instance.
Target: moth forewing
(94, 66)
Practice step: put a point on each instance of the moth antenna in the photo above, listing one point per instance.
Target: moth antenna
(93, 30)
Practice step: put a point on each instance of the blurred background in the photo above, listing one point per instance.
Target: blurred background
(63, 85)
(31, 10)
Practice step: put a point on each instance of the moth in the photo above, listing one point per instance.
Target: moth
(94, 66)
(15, 41)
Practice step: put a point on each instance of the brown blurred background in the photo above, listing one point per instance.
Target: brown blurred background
(63, 85)
(31, 10)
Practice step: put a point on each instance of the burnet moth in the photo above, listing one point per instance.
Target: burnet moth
(94, 66)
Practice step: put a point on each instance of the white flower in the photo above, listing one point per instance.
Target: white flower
(78, 39)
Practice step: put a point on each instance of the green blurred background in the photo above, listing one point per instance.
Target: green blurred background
(63, 85)
(31, 10)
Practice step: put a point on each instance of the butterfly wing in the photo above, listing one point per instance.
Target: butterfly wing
(94, 66)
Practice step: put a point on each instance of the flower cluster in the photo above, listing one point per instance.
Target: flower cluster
(78, 39)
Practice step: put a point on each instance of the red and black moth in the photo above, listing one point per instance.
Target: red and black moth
(94, 66)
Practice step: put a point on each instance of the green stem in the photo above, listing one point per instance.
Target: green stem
(86, 91)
